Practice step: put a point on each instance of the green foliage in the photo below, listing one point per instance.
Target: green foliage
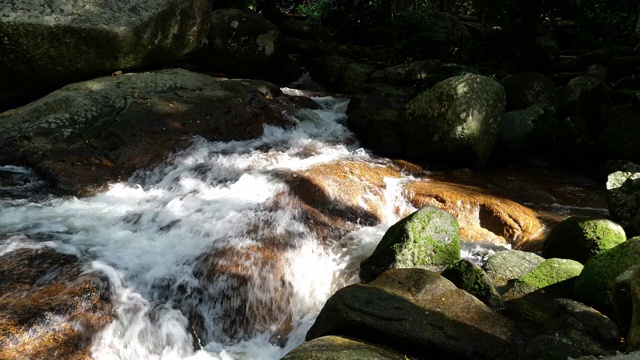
(314, 9)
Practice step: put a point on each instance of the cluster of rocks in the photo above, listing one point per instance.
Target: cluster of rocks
(419, 300)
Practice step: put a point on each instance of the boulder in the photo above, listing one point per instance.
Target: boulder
(583, 97)
(376, 122)
(50, 307)
(633, 339)
(471, 278)
(555, 276)
(99, 39)
(622, 299)
(527, 89)
(510, 265)
(594, 285)
(341, 348)
(416, 311)
(412, 73)
(622, 199)
(526, 132)
(483, 217)
(90, 133)
(576, 145)
(329, 69)
(355, 76)
(428, 238)
(455, 122)
(239, 42)
(617, 139)
(580, 238)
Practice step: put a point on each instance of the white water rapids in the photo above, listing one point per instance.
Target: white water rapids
(149, 233)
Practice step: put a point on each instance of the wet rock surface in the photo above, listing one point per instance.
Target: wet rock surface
(88, 134)
(50, 307)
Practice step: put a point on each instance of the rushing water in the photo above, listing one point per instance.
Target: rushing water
(149, 236)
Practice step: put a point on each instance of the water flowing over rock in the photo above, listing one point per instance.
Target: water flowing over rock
(48, 306)
(99, 38)
(420, 311)
(456, 122)
(90, 133)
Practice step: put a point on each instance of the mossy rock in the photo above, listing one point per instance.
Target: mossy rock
(553, 275)
(428, 238)
(471, 278)
(580, 238)
(511, 264)
(594, 285)
(341, 348)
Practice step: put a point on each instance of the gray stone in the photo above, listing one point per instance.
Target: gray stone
(455, 122)
(417, 311)
(526, 132)
(49, 43)
(239, 42)
(511, 264)
(623, 201)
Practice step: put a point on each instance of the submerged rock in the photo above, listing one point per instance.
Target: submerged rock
(99, 38)
(455, 122)
(49, 307)
(416, 311)
(90, 133)
(428, 238)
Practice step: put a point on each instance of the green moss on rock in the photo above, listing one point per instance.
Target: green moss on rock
(552, 272)
(470, 277)
(594, 285)
(428, 238)
(580, 238)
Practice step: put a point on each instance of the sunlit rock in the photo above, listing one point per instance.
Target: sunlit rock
(594, 285)
(456, 122)
(239, 42)
(482, 216)
(416, 311)
(341, 348)
(90, 133)
(49, 308)
(580, 238)
(511, 264)
(428, 238)
(50, 43)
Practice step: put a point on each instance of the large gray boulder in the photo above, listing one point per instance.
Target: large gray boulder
(90, 133)
(417, 311)
(428, 238)
(455, 122)
(511, 264)
(50, 43)
(526, 132)
(528, 89)
(239, 42)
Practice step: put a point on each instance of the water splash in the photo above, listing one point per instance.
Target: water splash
(198, 253)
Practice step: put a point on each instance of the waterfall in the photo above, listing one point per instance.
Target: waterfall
(204, 257)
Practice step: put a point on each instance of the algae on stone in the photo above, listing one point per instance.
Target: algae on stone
(580, 238)
(429, 237)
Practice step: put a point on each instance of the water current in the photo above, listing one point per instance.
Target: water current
(150, 234)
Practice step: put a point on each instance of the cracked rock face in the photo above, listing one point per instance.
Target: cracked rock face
(50, 43)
